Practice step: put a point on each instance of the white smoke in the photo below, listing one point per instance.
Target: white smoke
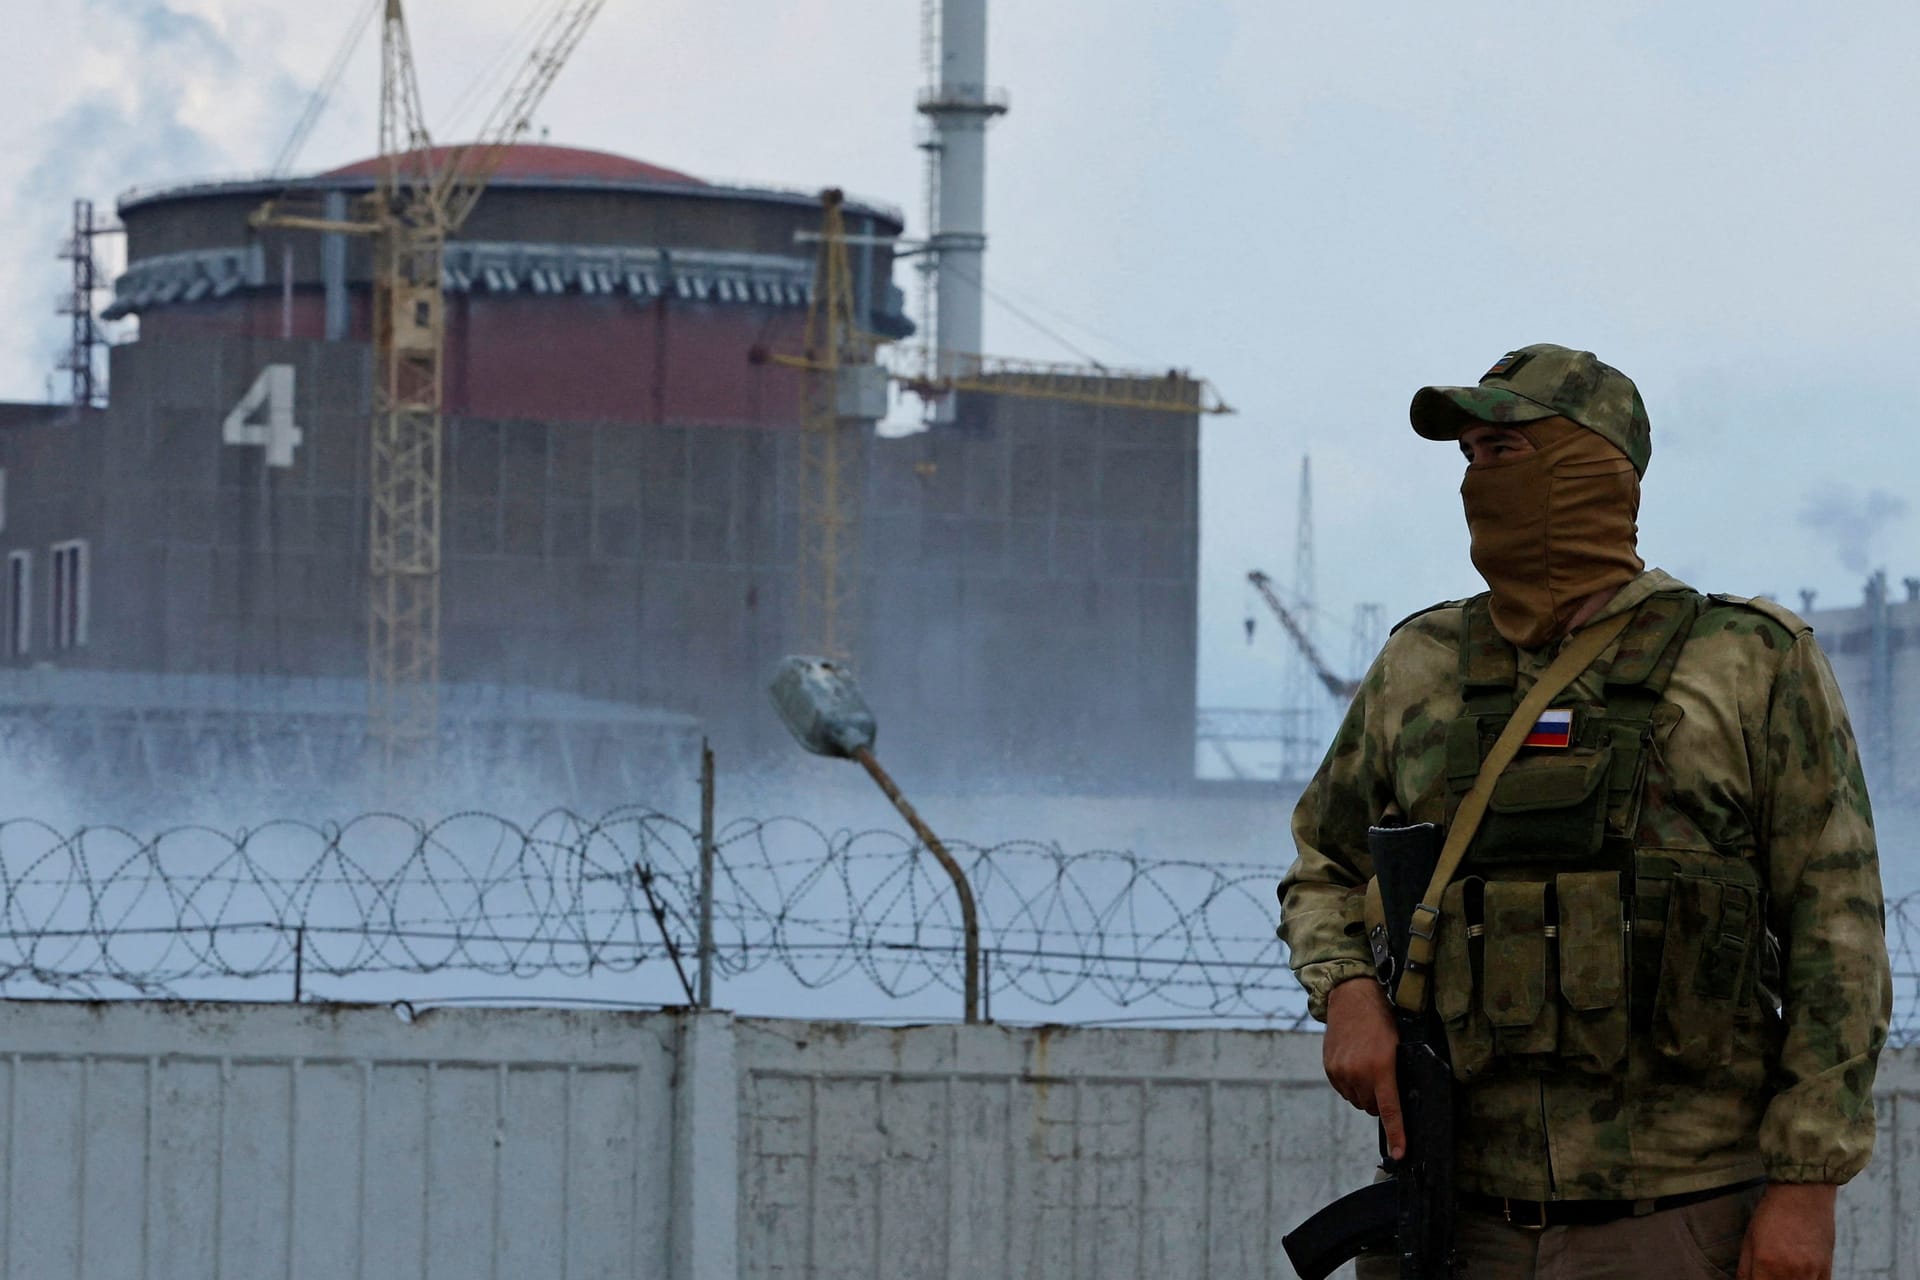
(165, 95)
(1851, 520)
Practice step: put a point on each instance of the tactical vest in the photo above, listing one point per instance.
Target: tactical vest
(1567, 933)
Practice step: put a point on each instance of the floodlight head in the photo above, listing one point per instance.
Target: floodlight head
(821, 704)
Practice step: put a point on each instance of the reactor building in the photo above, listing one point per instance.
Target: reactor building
(187, 564)
(1872, 647)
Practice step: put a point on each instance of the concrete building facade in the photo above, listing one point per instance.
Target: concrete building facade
(621, 507)
(1874, 647)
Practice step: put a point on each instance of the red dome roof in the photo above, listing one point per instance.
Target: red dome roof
(536, 160)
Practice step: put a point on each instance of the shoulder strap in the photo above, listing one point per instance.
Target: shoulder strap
(1580, 653)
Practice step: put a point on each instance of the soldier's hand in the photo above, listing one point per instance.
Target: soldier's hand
(1791, 1234)
(1358, 1052)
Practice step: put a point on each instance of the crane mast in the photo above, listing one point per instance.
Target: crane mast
(418, 202)
(471, 167)
(838, 358)
(845, 391)
(1338, 687)
(409, 338)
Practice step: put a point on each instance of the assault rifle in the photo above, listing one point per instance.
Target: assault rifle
(1411, 1210)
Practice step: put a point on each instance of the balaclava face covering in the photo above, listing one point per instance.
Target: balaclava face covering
(1552, 527)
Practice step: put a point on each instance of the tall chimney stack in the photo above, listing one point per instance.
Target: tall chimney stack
(959, 107)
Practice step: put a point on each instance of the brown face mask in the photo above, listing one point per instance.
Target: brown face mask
(1552, 528)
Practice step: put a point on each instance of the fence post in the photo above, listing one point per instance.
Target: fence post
(705, 998)
(704, 1219)
(986, 984)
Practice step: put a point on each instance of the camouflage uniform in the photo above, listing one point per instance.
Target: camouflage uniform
(1744, 1049)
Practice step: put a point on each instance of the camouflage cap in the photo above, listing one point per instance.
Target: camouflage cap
(1542, 381)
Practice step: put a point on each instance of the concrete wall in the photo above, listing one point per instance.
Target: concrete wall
(162, 1140)
(202, 1141)
(1028, 591)
(211, 561)
(55, 466)
(1033, 593)
(944, 1152)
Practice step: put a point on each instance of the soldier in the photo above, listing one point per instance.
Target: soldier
(1661, 967)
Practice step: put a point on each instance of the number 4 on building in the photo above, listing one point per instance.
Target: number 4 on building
(270, 395)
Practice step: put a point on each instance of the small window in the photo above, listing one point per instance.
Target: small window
(67, 628)
(19, 603)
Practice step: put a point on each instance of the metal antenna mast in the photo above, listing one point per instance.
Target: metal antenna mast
(81, 361)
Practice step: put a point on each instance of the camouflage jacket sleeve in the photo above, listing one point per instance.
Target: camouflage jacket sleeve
(1825, 907)
(1323, 892)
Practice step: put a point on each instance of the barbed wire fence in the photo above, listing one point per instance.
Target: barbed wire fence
(606, 911)
(279, 910)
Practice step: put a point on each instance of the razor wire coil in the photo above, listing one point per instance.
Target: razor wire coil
(194, 911)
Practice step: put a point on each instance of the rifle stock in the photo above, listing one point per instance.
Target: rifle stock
(1411, 1211)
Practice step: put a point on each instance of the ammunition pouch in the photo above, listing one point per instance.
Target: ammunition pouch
(1545, 807)
(1549, 972)
(1699, 926)
(1534, 971)
(1593, 969)
(1459, 963)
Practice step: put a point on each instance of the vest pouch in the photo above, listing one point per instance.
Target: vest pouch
(1548, 806)
(1456, 956)
(1593, 965)
(1707, 958)
(1515, 976)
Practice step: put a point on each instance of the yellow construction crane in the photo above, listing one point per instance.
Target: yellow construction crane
(1338, 687)
(1169, 392)
(846, 390)
(843, 390)
(420, 199)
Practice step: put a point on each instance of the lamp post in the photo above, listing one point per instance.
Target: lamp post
(821, 704)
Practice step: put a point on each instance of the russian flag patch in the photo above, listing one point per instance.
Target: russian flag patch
(1552, 729)
(1507, 364)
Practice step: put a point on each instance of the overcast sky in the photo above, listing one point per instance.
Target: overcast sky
(1319, 207)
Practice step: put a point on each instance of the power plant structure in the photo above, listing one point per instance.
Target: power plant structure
(621, 513)
(1874, 647)
(621, 483)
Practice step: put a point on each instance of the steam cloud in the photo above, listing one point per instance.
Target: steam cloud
(1851, 520)
(138, 130)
